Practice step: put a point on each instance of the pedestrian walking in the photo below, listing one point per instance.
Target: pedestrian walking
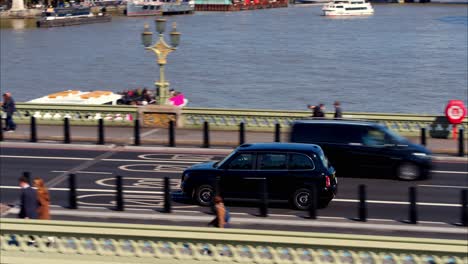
(222, 213)
(43, 199)
(9, 108)
(338, 111)
(28, 200)
(317, 111)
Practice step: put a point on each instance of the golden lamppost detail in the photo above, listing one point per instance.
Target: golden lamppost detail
(161, 49)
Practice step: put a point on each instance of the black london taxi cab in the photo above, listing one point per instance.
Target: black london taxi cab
(289, 171)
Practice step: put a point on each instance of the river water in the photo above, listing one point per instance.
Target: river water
(403, 59)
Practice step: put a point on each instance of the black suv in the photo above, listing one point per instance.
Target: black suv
(290, 171)
(359, 148)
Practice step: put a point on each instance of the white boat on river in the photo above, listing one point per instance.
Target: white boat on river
(80, 98)
(347, 8)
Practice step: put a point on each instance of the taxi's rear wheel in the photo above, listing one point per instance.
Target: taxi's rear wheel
(301, 199)
(204, 195)
(408, 171)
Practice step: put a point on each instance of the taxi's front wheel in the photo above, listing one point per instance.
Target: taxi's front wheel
(204, 195)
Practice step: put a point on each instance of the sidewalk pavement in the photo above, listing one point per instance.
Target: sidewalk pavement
(183, 137)
(299, 222)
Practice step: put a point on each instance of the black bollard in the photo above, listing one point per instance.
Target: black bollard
(263, 198)
(461, 143)
(218, 186)
(171, 134)
(1, 129)
(464, 208)
(313, 202)
(27, 175)
(33, 130)
(101, 132)
(119, 197)
(136, 132)
(66, 130)
(206, 135)
(241, 133)
(423, 136)
(72, 192)
(413, 212)
(167, 195)
(277, 132)
(362, 211)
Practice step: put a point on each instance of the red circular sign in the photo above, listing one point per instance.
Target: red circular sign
(455, 111)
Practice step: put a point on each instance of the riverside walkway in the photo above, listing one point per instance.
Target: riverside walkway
(183, 137)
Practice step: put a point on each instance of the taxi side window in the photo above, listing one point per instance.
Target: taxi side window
(300, 162)
(373, 137)
(241, 162)
(273, 161)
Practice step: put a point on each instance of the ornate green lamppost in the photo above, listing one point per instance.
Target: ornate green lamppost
(162, 49)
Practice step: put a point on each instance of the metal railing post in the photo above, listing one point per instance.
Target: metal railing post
(167, 195)
(136, 132)
(206, 135)
(119, 196)
(33, 130)
(313, 202)
(413, 211)
(362, 211)
(172, 134)
(263, 208)
(101, 132)
(72, 204)
(464, 208)
(241, 133)
(1, 128)
(218, 186)
(66, 130)
(461, 143)
(423, 136)
(277, 132)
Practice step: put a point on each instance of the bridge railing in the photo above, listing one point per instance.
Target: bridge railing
(224, 119)
(87, 242)
(78, 114)
(265, 120)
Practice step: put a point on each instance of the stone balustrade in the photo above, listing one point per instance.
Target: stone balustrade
(220, 119)
(33, 241)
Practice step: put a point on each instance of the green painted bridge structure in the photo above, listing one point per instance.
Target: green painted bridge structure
(218, 119)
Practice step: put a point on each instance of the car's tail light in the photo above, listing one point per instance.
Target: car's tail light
(327, 181)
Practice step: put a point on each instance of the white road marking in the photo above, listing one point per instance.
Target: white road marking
(443, 186)
(181, 157)
(153, 168)
(89, 190)
(153, 161)
(450, 172)
(86, 172)
(396, 202)
(138, 201)
(147, 183)
(147, 133)
(43, 157)
(119, 160)
(334, 200)
(195, 160)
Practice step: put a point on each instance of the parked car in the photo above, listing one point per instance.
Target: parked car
(289, 170)
(360, 148)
